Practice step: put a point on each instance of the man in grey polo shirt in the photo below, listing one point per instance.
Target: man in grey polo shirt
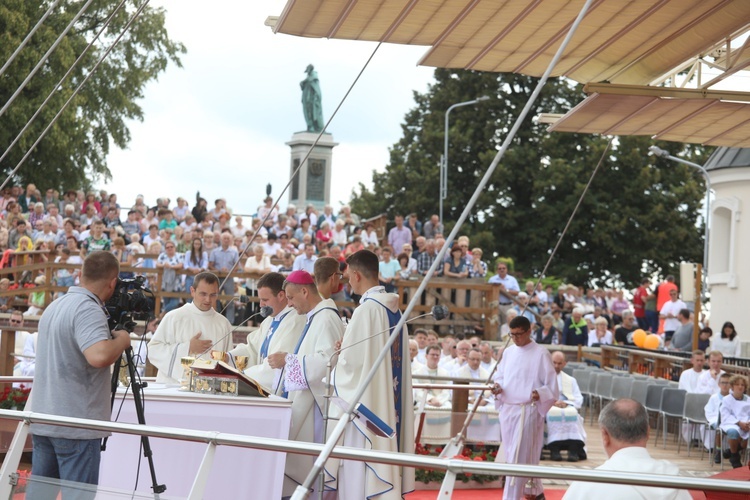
(509, 285)
(74, 352)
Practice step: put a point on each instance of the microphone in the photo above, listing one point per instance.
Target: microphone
(264, 312)
(440, 311)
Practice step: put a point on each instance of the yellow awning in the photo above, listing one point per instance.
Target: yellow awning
(619, 41)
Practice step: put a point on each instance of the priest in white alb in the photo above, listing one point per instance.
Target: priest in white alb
(473, 370)
(388, 395)
(525, 390)
(304, 370)
(277, 333)
(193, 329)
(564, 424)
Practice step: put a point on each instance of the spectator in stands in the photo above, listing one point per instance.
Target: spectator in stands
(370, 236)
(21, 229)
(224, 259)
(640, 296)
(388, 270)
(91, 200)
(618, 307)
(96, 240)
(351, 220)
(339, 236)
(194, 262)
(601, 334)
(704, 340)
(355, 246)
(170, 261)
(306, 260)
(735, 409)
(477, 267)
(508, 289)
(433, 227)
(25, 202)
(414, 226)
(682, 340)
(575, 331)
(323, 236)
(505, 327)
(668, 312)
(628, 326)
(426, 258)
(399, 235)
(625, 427)
(456, 267)
(123, 255)
(181, 210)
(547, 333)
(727, 343)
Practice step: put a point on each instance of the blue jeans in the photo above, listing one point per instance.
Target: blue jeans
(73, 460)
(65, 281)
(189, 280)
(733, 434)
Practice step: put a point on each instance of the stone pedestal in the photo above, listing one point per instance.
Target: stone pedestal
(312, 186)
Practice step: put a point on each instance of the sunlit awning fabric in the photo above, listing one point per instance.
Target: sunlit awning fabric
(622, 42)
(619, 41)
(694, 120)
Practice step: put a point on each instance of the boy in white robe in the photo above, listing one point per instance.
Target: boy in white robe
(526, 388)
(304, 370)
(711, 411)
(735, 418)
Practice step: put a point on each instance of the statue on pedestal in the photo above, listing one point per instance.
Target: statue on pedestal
(312, 105)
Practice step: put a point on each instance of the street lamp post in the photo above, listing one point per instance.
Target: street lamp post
(444, 167)
(656, 151)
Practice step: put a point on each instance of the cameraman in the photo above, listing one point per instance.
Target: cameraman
(74, 352)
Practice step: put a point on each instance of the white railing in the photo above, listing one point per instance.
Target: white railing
(213, 439)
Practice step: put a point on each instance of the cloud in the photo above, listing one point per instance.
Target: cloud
(219, 124)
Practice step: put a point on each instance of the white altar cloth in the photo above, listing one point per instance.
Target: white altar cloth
(257, 473)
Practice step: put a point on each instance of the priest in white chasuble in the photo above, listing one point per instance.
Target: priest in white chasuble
(564, 424)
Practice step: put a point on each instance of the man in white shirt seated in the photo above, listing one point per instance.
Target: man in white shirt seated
(413, 350)
(689, 382)
(709, 380)
(420, 336)
(487, 361)
(432, 398)
(473, 369)
(711, 411)
(564, 424)
(689, 378)
(462, 354)
(735, 418)
(624, 426)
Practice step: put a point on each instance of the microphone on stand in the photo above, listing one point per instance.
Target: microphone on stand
(438, 312)
(264, 312)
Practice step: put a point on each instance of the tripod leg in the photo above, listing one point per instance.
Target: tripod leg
(136, 387)
(115, 379)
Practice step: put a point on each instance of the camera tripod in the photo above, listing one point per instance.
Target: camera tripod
(136, 387)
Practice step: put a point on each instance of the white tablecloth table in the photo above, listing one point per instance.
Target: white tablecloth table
(236, 472)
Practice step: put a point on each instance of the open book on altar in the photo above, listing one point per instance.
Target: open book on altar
(211, 368)
(367, 418)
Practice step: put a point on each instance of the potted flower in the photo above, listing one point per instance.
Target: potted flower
(14, 398)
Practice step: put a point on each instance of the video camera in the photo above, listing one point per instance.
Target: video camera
(129, 303)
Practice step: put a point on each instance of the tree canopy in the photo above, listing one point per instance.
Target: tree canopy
(74, 152)
(640, 215)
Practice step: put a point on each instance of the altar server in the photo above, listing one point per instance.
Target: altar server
(564, 424)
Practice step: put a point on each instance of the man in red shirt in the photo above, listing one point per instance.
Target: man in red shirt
(639, 303)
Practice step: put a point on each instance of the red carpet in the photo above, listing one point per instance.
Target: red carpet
(487, 494)
(739, 474)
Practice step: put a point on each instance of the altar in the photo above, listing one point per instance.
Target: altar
(236, 472)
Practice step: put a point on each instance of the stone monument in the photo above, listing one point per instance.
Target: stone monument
(312, 186)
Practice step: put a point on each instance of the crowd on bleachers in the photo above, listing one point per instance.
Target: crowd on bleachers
(184, 235)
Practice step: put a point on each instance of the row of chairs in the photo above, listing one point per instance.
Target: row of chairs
(660, 396)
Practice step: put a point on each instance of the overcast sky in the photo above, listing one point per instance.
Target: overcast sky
(220, 123)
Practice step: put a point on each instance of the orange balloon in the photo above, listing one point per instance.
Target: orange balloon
(639, 337)
(652, 341)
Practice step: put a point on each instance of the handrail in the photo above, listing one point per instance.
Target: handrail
(402, 459)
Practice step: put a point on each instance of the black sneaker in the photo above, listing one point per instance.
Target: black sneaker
(573, 456)
(555, 456)
(727, 453)
(734, 459)
(717, 457)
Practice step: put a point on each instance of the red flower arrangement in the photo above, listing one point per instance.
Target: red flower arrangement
(14, 397)
(478, 453)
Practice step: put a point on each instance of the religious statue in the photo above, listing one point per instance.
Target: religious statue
(311, 100)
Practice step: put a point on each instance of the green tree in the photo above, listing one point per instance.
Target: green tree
(640, 215)
(74, 152)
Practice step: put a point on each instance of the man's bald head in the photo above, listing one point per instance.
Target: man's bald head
(558, 361)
